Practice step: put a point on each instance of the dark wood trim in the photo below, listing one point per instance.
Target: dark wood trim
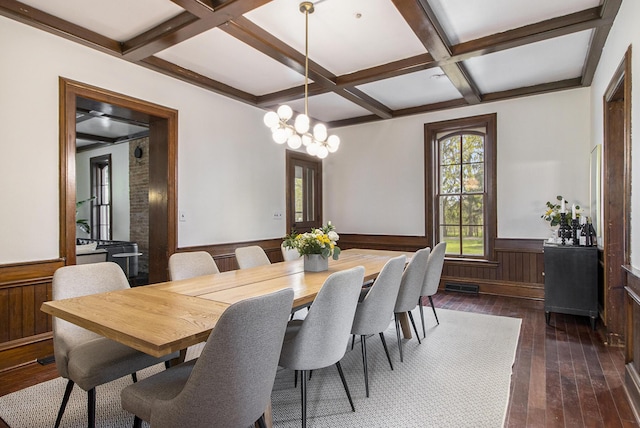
(517, 270)
(292, 160)
(201, 16)
(608, 12)
(163, 171)
(616, 194)
(489, 122)
(25, 331)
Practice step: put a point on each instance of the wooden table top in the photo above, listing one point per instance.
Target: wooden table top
(162, 318)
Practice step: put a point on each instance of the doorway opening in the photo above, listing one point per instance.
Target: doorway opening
(162, 149)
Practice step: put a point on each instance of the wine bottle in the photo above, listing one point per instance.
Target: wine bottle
(592, 240)
(583, 231)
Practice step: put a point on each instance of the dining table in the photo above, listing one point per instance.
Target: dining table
(162, 318)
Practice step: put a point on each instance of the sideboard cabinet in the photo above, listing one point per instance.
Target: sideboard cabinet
(570, 281)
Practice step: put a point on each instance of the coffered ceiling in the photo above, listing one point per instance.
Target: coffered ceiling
(368, 59)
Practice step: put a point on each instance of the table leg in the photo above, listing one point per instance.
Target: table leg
(404, 324)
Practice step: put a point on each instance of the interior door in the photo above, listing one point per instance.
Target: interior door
(304, 192)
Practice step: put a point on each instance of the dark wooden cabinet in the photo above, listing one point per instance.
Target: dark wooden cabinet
(571, 281)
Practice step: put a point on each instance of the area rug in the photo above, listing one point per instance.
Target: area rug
(458, 377)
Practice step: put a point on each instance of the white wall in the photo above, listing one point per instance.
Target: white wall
(623, 34)
(119, 187)
(374, 184)
(231, 175)
(223, 201)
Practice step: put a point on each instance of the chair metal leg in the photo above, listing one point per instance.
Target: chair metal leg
(303, 396)
(424, 331)
(346, 387)
(353, 340)
(398, 335)
(65, 400)
(414, 326)
(137, 422)
(91, 407)
(363, 343)
(434, 310)
(386, 350)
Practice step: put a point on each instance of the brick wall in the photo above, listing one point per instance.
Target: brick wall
(139, 201)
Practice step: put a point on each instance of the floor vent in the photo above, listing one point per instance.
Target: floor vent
(462, 288)
(46, 360)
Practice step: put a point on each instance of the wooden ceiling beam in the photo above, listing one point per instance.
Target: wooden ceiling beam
(179, 29)
(251, 34)
(426, 27)
(609, 10)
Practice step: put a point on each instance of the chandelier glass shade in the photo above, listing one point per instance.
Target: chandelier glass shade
(316, 140)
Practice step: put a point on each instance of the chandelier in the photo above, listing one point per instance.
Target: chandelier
(316, 140)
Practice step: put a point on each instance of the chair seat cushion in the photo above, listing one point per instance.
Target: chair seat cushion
(139, 397)
(102, 360)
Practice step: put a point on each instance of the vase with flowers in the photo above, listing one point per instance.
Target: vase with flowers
(315, 247)
(553, 214)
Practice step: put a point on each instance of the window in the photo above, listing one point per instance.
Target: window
(304, 192)
(460, 185)
(101, 205)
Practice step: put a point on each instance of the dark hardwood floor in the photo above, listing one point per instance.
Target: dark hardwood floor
(564, 375)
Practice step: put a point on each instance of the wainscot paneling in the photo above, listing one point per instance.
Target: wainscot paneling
(516, 269)
(632, 334)
(25, 331)
(224, 254)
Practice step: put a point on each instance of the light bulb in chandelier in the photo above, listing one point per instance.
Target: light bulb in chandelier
(317, 142)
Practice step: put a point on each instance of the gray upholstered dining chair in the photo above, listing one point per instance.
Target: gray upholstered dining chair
(320, 340)
(83, 357)
(374, 313)
(410, 288)
(191, 264)
(230, 384)
(251, 256)
(432, 280)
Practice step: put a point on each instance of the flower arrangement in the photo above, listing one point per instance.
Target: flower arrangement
(318, 241)
(552, 214)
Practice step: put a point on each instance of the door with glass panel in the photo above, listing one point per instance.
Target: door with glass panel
(304, 192)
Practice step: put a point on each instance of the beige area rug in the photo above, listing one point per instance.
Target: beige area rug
(458, 377)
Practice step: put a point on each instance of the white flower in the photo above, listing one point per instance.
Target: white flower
(333, 235)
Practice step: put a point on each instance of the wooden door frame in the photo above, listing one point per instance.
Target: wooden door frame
(291, 157)
(163, 131)
(616, 197)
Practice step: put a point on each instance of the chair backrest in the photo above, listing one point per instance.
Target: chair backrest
(191, 264)
(434, 270)
(75, 281)
(251, 256)
(231, 382)
(289, 253)
(324, 333)
(373, 314)
(412, 279)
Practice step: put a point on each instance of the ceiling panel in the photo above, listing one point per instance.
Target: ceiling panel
(344, 36)
(412, 90)
(548, 61)
(221, 57)
(117, 19)
(329, 107)
(465, 20)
